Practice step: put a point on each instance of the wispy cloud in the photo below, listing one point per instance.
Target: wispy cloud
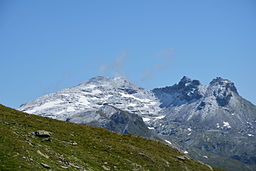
(64, 76)
(116, 67)
(103, 69)
(165, 60)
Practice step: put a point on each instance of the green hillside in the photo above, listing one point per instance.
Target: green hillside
(78, 147)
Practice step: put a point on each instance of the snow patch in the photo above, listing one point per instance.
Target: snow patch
(153, 103)
(151, 128)
(90, 86)
(205, 157)
(46, 105)
(133, 97)
(226, 124)
(250, 135)
(168, 141)
(83, 100)
(146, 119)
(70, 109)
(160, 117)
(96, 91)
(185, 152)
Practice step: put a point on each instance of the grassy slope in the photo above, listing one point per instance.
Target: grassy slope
(96, 149)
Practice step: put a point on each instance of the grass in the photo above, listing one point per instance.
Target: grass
(80, 147)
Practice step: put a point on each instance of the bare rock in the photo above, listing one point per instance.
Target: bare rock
(64, 167)
(181, 157)
(42, 154)
(45, 166)
(136, 166)
(105, 167)
(42, 133)
(75, 166)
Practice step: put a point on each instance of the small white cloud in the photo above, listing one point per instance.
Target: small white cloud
(116, 67)
(165, 57)
(103, 69)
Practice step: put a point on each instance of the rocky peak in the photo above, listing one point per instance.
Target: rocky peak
(109, 82)
(189, 88)
(97, 79)
(223, 84)
(120, 79)
(186, 91)
(186, 82)
(222, 89)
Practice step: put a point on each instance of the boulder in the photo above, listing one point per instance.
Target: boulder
(181, 157)
(42, 133)
(45, 166)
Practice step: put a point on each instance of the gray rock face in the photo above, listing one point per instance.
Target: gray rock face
(115, 120)
(212, 118)
(185, 91)
(222, 90)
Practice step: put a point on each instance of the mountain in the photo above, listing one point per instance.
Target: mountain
(211, 119)
(30, 142)
(216, 106)
(92, 95)
(212, 123)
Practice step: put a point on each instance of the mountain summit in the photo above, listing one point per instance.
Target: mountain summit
(92, 95)
(188, 101)
(186, 91)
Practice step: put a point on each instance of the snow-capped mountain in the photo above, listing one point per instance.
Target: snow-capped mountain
(212, 123)
(212, 120)
(215, 106)
(92, 95)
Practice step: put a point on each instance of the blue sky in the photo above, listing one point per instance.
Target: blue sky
(53, 44)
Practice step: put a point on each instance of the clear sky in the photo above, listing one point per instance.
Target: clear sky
(47, 45)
